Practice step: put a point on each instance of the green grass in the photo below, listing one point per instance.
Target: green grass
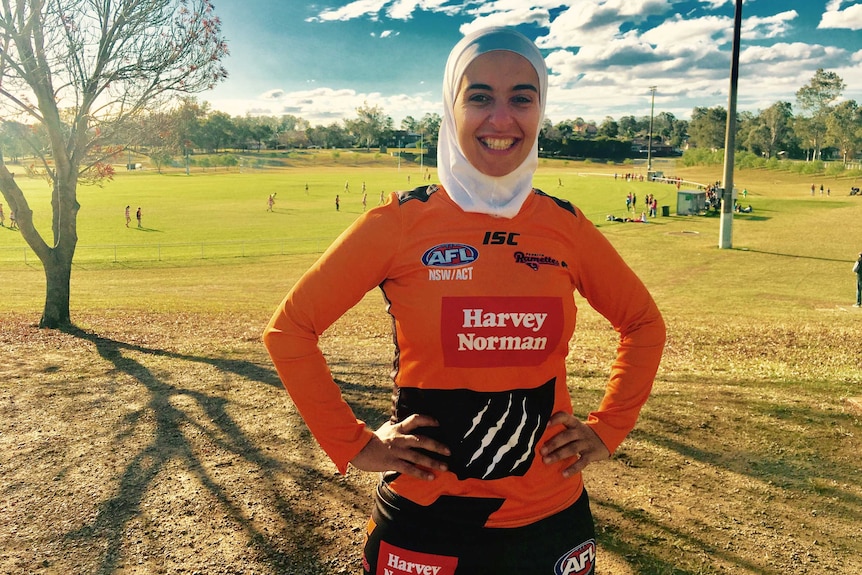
(791, 257)
(745, 458)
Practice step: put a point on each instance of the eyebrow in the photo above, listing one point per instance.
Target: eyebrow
(515, 88)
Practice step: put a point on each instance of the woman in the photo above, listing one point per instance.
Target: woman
(481, 461)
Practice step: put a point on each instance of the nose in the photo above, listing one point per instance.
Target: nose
(500, 116)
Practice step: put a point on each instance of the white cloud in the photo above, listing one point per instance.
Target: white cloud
(326, 105)
(850, 18)
(774, 26)
(403, 9)
(521, 15)
(355, 9)
(276, 94)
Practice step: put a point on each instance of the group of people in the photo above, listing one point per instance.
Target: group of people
(630, 177)
(651, 205)
(13, 223)
(129, 216)
(814, 188)
(480, 463)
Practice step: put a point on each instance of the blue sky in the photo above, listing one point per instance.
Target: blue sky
(321, 60)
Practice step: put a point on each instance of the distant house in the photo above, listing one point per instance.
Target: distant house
(585, 130)
(659, 149)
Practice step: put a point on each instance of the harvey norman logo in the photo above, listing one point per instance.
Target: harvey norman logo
(393, 560)
(500, 331)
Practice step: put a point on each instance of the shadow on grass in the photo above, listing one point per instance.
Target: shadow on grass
(794, 256)
(170, 445)
(787, 447)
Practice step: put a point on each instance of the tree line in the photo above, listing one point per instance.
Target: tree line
(821, 130)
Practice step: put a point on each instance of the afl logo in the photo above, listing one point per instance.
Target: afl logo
(578, 561)
(450, 255)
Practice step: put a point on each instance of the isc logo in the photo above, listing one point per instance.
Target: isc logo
(450, 255)
(578, 561)
(500, 238)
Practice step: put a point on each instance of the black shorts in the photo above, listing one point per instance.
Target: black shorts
(403, 540)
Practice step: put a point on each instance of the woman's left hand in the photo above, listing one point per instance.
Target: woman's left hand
(577, 440)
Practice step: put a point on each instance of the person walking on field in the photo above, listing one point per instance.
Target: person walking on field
(138, 215)
(337, 202)
(128, 216)
(2, 217)
(857, 268)
(481, 459)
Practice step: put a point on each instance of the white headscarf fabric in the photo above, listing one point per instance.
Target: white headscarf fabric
(472, 190)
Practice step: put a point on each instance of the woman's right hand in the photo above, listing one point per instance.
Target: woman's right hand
(395, 447)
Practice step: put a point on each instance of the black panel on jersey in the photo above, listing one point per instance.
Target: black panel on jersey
(565, 204)
(422, 193)
(491, 434)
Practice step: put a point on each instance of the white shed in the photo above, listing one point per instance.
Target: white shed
(690, 202)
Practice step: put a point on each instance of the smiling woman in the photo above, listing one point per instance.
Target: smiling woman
(481, 461)
(497, 112)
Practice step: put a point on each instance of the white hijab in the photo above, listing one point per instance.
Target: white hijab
(472, 190)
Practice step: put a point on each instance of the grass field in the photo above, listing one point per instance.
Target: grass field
(745, 460)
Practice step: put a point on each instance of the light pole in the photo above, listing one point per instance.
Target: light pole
(649, 141)
(725, 234)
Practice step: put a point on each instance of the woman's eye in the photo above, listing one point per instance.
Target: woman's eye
(479, 98)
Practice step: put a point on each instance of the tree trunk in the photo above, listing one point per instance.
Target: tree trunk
(58, 273)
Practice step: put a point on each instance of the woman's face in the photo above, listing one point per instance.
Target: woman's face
(497, 112)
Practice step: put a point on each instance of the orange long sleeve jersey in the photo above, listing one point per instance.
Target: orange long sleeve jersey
(483, 312)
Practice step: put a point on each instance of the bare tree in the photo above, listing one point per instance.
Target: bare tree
(82, 70)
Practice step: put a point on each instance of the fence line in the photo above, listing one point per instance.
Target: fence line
(158, 252)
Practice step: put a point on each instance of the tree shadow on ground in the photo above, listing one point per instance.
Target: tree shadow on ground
(169, 445)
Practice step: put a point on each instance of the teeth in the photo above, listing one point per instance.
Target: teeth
(498, 143)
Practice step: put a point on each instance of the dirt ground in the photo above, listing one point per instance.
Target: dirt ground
(164, 444)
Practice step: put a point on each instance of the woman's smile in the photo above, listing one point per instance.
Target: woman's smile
(497, 112)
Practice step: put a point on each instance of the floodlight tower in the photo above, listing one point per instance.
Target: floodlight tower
(725, 239)
(649, 140)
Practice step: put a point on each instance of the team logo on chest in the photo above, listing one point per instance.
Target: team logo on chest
(450, 261)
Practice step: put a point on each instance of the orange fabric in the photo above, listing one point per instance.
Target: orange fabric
(481, 304)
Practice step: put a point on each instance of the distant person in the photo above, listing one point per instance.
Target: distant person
(270, 202)
(2, 217)
(857, 267)
(128, 215)
(812, 189)
(337, 202)
(382, 198)
(364, 201)
(13, 223)
(138, 215)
